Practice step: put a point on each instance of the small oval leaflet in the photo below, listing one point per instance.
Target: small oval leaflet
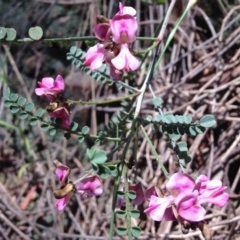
(207, 121)
(122, 230)
(35, 33)
(136, 231)
(3, 32)
(121, 214)
(11, 34)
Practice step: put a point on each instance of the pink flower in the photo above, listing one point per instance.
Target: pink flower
(125, 60)
(89, 187)
(61, 203)
(124, 28)
(102, 31)
(50, 87)
(126, 10)
(186, 196)
(95, 56)
(63, 114)
(62, 173)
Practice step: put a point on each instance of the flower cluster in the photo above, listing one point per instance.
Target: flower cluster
(185, 198)
(117, 36)
(58, 107)
(86, 188)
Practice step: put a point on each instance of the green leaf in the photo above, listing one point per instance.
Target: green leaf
(103, 171)
(52, 131)
(131, 195)
(29, 107)
(120, 193)
(11, 34)
(73, 50)
(40, 112)
(174, 136)
(113, 169)
(80, 139)
(8, 103)
(134, 213)
(35, 33)
(157, 102)
(191, 130)
(136, 231)
(13, 97)
(187, 119)
(33, 121)
(14, 109)
(23, 115)
(21, 101)
(44, 127)
(3, 32)
(122, 231)
(207, 121)
(6, 93)
(99, 157)
(158, 118)
(85, 130)
(199, 129)
(73, 126)
(182, 146)
(91, 152)
(149, 118)
(179, 119)
(121, 214)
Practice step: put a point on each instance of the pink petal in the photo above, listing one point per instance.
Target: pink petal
(40, 91)
(101, 30)
(180, 183)
(125, 60)
(90, 186)
(149, 192)
(59, 83)
(115, 73)
(139, 193)
(60, 204)
(157, 207)
(188, 208)
(124, 29)
(126, 10)
(63, 114)
(47, 82)
(61, 172)
(95, 56)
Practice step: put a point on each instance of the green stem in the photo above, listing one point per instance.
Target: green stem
(165, 172)
(66, 39)
(127, 201)
(104, 102)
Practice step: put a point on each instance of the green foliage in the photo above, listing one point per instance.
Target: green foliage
(136, 231)
(207, 121)
(33, 121)
(35, 33)
(134, 213)
(131, 195)
(8, 34)
(29, 107)
(52, 131)
(121, 214)
(85, 130)
(157, 102)
(77, 56)
(74, 126)
(122, 231)
(40, 112)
